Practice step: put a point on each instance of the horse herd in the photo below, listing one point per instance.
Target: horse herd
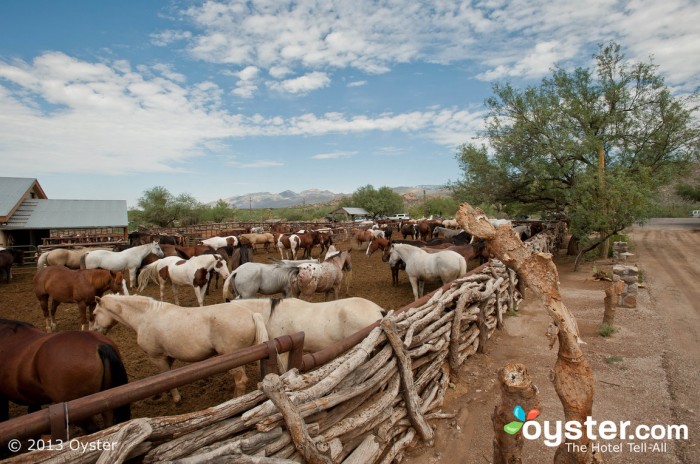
(167, 332)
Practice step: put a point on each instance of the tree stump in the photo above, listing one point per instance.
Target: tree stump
(612, 296)
(517, 389)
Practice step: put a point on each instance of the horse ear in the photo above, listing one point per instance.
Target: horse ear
(98, 299)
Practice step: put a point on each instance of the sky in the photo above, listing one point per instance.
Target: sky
(107, 99)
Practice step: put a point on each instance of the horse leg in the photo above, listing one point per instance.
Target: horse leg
(174, 287)
(164, 365)
(240, 380)
(54, 307)
(414, 286)
(44, 303)
(132, 277)
(199, 293)
(421, 288)
(83, 318)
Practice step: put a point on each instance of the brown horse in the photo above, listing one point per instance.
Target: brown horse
(8, 257)
(40, 368)
(79, 286)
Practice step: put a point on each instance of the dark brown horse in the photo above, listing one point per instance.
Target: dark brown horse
(79, 286)
(40, 368)
(8, 257)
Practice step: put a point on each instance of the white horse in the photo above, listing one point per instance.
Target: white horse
(166, 332)
(421, 266)
(220, 242)
(322, 277)
(249, 279)
(119, 260)
(323, 323)
(194, 272)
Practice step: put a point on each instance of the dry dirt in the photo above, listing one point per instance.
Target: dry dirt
(646, 373)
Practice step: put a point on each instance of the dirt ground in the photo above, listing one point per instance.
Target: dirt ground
(646, 373)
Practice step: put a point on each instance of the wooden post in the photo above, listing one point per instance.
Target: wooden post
(572, 374)
(517, 389)
(612, 296)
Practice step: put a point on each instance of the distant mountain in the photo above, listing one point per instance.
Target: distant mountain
(314, 196)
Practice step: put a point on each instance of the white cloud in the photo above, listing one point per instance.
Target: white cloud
(167, 37)
(303, 84)
(334, 155)
(357, 83)
(504, 39)
(259, 164)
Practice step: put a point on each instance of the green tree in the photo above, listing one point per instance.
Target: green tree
(221, 211)
(187, 210)
(549, 141)
(156, 206)
(689, 192)
(380, 202)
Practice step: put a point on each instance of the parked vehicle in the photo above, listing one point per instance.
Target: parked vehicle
(400, 217)
(695, 213)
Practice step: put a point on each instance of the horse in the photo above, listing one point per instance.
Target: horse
(289, 242)
(422, 266)
(253, 278)
(310, 238)
(322, 277)
(119, 260)
(194, 272)
(409, 230)
(218, 242)
(79, 286)
(166, 332)
(266, 239)
(63, 257)
(444, 232)
(242, 254)
(360, 236)
(323, 323)
(8, 257)
(40, 368)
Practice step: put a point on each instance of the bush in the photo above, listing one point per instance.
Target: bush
(605, 330)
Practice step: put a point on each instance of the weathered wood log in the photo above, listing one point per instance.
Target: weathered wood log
(314, 453)
(397, 447)
(517, 389)
(572, 375)
(368, 451)
(125, 441)
(409, 392)
(612, 296)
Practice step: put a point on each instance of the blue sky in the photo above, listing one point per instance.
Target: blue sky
(104, 99)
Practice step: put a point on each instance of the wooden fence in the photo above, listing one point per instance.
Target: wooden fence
(366, 405)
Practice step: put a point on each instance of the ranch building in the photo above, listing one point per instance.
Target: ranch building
(30, 221)
(348, 213)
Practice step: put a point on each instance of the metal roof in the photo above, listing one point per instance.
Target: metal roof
(12, 189)
(68, 214)
(351, 211)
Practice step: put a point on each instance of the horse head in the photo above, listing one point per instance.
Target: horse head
(116, 282)
(103, 317)
(154, 248)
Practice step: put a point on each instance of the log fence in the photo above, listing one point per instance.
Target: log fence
(357, 405)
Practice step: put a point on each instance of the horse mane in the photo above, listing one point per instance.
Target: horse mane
(274, 302)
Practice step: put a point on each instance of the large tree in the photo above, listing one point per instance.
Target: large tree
(161, 209)
(380, 202)
(579, 130)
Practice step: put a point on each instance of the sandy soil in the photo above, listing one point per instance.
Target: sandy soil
(646, 372)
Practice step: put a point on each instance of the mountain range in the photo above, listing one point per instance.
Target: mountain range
(314, 196)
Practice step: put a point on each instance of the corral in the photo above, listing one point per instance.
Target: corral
(375, 279)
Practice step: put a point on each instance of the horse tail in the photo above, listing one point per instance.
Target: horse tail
(43, 260)
(229, 287)
(261, 335)
(147, 273)
(113, 375)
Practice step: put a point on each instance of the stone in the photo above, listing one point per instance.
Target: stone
(629, 301)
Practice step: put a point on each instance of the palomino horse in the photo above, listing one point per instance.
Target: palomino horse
(63, 257)
(79, 286)
(421, 265)
(8, 257)
(40, 368)
(269, 279)
(322, 277)
(194, 272)
(119, 260)
(265, 239)
(166, 332)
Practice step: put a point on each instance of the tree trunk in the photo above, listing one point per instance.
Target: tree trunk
(612, 296)
(516, 390)
(572, 375)
(573, 247)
